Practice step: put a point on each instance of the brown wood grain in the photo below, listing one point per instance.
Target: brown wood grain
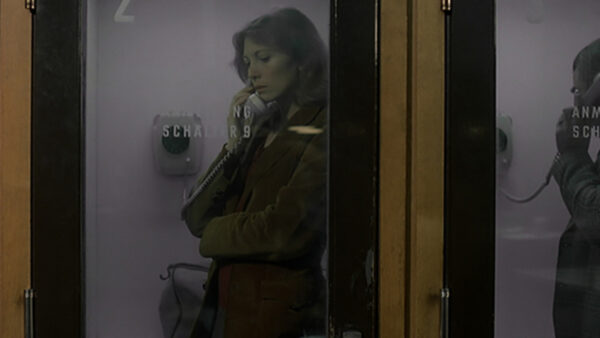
(426, 234)
(411, 167)
(410, 267)
(15, 84)
(393, 167)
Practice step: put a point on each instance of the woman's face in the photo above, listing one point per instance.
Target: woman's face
(271, 71)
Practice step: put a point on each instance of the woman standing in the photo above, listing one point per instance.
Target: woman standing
(261, 214)
(577, 286)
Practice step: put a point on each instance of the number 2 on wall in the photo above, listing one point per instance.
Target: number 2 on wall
(119, 14)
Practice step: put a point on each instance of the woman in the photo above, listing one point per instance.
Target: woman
(262, 218)
(577, 286)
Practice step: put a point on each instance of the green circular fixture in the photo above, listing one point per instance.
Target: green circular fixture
(175, 142)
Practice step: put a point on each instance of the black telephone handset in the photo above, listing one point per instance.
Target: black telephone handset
(591, 97)
(253, 110)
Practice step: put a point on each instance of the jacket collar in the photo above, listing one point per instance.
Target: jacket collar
(288, 136)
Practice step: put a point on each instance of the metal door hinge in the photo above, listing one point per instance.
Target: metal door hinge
(31, 5)
(29, 300)
(445, 313)
(446, 5)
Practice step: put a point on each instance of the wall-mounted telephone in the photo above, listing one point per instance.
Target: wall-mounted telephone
(177, 143)
(250, 115)
(589, 98)
(504, 141)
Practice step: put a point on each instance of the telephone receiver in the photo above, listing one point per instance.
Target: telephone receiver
(250, 116)
(255, 107)
(590, 97)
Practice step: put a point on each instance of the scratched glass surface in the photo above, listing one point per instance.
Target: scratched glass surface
(206, 172)
(546, 244)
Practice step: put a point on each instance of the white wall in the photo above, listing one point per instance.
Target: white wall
(537, 41)
(175, 56)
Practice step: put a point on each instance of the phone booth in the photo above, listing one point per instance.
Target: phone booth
(193, 165)
(129, 129)
(521, 248)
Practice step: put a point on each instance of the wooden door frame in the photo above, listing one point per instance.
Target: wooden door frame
(411, 121)
(15, 98)
(411, 167)
(58, 168)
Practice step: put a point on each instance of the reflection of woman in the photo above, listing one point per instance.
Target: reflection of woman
(262, 219)
(577, 289)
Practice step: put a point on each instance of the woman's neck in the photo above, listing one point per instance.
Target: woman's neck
(287, 110)
(287, 107)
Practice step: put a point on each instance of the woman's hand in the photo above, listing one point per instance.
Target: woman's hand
(236, 117)
(569, 135)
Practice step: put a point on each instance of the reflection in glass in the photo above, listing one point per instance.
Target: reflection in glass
(577, 287)
(173, 106)
(548, 249)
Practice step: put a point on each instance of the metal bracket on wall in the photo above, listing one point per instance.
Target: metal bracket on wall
(31, 5)
(446, 5)
(445, 313)
(504, 142)
(29, 298)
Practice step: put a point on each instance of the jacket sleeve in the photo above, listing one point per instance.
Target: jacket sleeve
(285, 229)
(210, 202)
(579, 184)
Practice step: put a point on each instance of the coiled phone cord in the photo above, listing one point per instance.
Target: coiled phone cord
(210, 177)
(539, 190)
(590, 98)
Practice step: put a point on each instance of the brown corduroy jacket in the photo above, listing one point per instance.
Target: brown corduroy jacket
(268, 226)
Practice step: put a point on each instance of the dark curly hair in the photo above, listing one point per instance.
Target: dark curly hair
(290, 31)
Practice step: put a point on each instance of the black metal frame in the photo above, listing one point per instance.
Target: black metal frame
(58, 171)
(470, 168)
(354, 161)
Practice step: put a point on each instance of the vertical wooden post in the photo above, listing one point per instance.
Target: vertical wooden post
(394, 151)
(426, 233)
(412, 167)
(15, 101)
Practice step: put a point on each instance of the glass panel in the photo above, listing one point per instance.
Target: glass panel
(547, 247)
(189, 135)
